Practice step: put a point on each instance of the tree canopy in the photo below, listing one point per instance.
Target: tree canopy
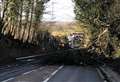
(21, 17)
(104, 18)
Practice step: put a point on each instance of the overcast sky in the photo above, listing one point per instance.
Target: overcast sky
(63, 10)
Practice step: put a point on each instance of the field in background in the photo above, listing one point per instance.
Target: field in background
(63, 29)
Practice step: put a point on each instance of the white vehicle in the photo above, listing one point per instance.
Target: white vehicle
(75, 39)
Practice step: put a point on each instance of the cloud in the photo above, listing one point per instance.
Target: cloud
(63, 10)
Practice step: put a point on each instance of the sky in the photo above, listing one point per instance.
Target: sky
(63, 10)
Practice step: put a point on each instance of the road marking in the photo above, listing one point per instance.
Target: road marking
(20, 58)
(54, 72)
(8, 80)
(32, 71)
(28, 72)
(46, 80)
(23, 74)
(57, 70)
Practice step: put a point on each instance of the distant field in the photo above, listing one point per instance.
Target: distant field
(61, 28)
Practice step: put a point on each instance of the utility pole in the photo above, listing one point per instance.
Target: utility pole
(52, 12)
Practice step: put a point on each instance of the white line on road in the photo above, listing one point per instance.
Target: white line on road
(8, 80)
(24, 74)
(57, 70)
(20, 58)
(46, 80)
(28, 72)
(32, 71)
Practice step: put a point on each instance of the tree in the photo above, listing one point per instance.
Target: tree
(21, 18)
(99, 14)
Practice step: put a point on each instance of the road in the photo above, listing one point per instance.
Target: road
(76, 74)
(45, 74)
(16, 69)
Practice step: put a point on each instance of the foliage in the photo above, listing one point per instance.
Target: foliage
(117, 53)
(21, 17)
(103, 16)
(92, 12)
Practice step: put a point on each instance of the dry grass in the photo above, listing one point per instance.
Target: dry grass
(63, 28)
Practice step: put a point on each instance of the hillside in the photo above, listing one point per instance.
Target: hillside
(61, 28)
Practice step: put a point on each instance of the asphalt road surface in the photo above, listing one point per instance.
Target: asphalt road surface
(76, 74)
(66, 74)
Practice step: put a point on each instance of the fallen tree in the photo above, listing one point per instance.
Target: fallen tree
(100, 14)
